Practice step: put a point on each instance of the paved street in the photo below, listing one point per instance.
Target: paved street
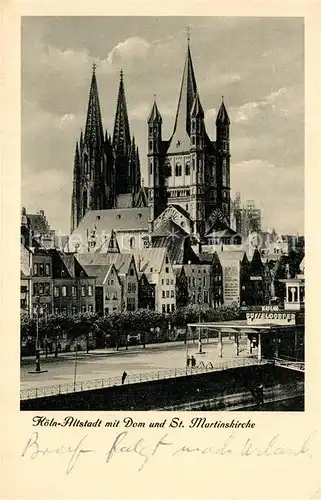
(108, 364)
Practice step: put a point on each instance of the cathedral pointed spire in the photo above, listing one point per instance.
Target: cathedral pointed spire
(121, 137)
(187, 94)
(154, 115)
(94, 135)
(222, 115)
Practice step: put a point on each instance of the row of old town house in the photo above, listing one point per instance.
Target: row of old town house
(158, 278)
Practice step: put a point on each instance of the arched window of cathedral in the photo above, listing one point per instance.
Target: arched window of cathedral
(187, 169)
(150, 145)
(178, 170)
(84, 202)
(132, 243)
(151, 169)
(193, 163)
(193, 126)
(151, 129)
(193, 140)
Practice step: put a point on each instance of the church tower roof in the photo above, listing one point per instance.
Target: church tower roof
(187, 95)
(155, 115)
(121, 137)
(222, 115)
(197, 109)
(94, 134)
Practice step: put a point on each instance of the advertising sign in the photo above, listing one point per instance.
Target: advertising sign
(231, 283)
(275, 318)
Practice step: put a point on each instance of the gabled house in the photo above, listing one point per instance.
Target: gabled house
(108, 288)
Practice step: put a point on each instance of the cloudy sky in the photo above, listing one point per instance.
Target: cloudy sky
(256, 63)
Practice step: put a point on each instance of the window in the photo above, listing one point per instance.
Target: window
(205, 297)
(129, 287)
(74, 291)
(166, 259)
(173, 307)
(186, 207)
(150, 148)
(35, 269)
(200, 281)
(106, 310)
(133, 287)
(163, 308)
(168, 308)
(90, 290)
(83, 309)
(199, 298)
(150, 169)
(130, 304)
(132, 243)
(107, 295)
(131, 272)
(204, 281)
(172, 293)
(162, 282)
(187, 169)
(73, 310)
(91, 308)
(151, 269)
(167, 270)
(193, 140)
(47, 269)
(115, 297)
(178, 169)
(167, 281)
(172, 282)
(168, 170)
(41, 269)
(56, 291)
(163, 294)
(83, 291)
(167, 294)
(64, 291)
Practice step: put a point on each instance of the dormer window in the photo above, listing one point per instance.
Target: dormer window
(118, 216)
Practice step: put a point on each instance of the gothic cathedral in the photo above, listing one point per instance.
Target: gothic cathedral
(106, 170)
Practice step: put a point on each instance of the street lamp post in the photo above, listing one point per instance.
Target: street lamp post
(37, 368)
(200, 350)
(37, 335)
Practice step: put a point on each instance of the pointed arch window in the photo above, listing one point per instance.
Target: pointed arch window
(178, 170)
(187, 169)
(151, 168)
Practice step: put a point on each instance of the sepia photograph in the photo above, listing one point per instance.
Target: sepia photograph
(162, 239)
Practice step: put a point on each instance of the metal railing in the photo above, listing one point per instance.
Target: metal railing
(298, 366)
(136, 378)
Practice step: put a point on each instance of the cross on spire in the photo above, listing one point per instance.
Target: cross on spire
(94, 67)
(188, 33)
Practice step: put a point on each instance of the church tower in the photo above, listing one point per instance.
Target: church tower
(190, 173)
(223, 167)
(155, 179)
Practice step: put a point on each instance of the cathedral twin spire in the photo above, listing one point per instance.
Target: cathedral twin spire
(103, 166)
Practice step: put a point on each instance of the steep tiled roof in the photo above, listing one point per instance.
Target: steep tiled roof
(121, 261)
(104, 221)
(99, 272)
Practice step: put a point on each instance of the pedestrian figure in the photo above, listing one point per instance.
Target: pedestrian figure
(193, 360)
(124, 375)
(188, 360)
